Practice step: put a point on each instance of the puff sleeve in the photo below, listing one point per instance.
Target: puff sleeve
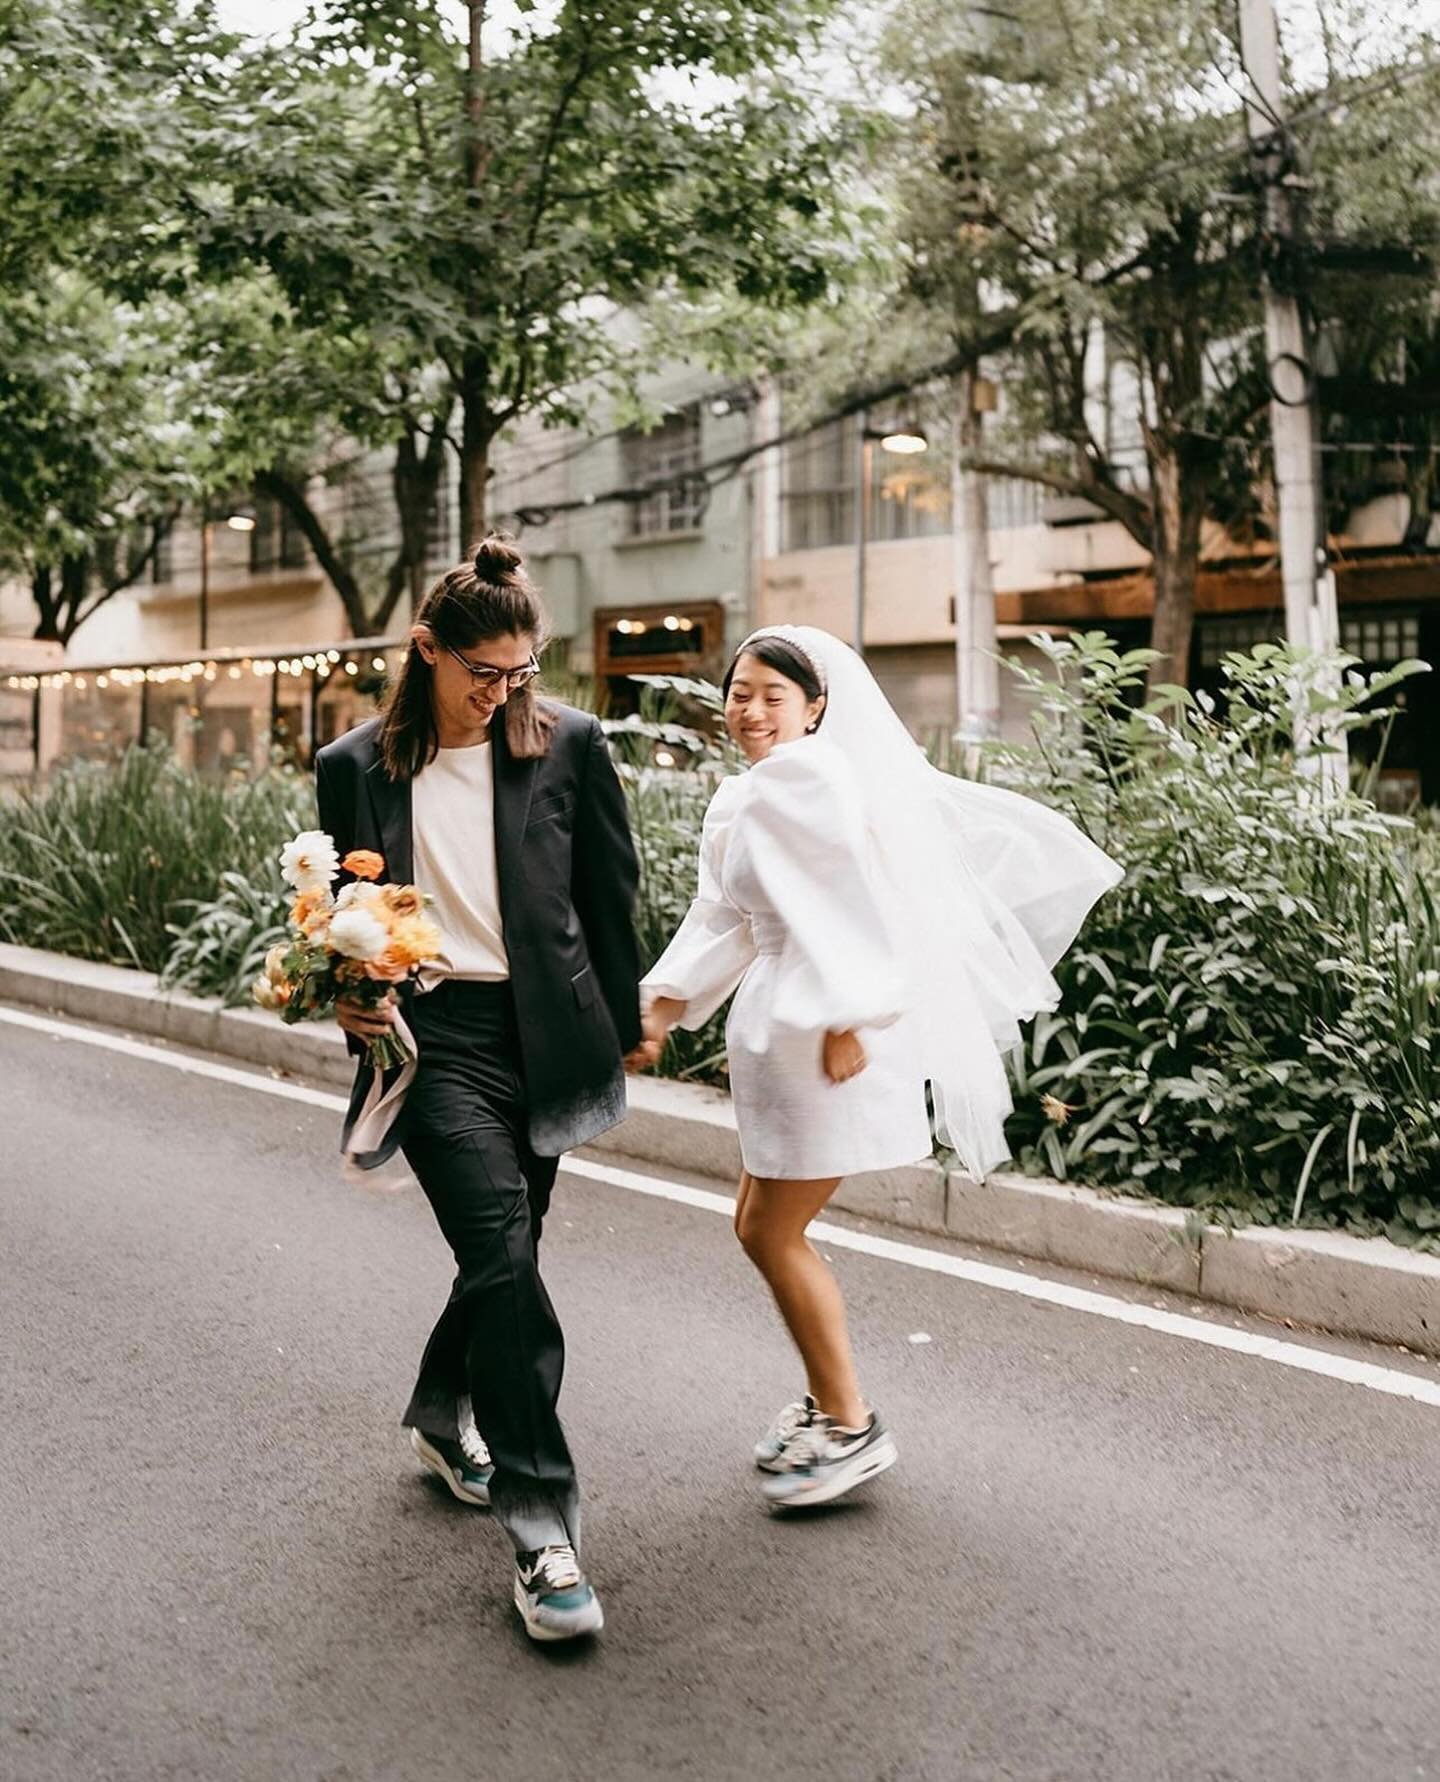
(712, 949)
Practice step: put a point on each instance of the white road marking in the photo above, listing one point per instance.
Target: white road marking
(1344, 1368)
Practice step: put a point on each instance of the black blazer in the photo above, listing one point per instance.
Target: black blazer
(567, 876)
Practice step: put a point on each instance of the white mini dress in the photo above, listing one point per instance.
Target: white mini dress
(792, 908)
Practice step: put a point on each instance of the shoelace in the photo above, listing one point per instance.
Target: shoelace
(808, 1445)
(474, 1448)
(557, 1568)
(792, 1418)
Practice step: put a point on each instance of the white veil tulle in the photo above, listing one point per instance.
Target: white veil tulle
(989, 889)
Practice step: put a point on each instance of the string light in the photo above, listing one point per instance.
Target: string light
(321, 663)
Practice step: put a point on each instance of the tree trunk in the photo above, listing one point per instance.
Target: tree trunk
(1178, 491)
(415, 478)
(476, 432)
(290, 493)
(477, 428)
(42, 592)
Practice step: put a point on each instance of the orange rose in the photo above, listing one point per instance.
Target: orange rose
(390, 968)
(363, 863)
(404, 900)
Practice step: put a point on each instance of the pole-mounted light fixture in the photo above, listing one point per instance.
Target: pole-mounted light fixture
(905, 442)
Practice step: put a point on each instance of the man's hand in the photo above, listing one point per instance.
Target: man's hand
(843, 1056)
(366, 1020)
(655, 1025)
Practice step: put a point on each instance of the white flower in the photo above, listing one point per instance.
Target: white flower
(360, 894)
(310, 862)
(355, 933)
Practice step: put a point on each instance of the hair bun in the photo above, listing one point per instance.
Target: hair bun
(496, 558)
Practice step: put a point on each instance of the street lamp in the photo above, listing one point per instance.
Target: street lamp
(903, 441)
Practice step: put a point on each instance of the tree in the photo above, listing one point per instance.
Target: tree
(102, 411)
(467, 218)
(1086, 181)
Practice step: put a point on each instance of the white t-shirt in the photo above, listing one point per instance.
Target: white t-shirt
(452, 814)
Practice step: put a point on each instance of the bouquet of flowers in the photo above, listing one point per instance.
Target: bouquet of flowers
(355, 943)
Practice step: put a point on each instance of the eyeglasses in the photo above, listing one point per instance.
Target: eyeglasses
(484, 674)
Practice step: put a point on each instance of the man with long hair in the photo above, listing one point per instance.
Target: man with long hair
(505, 808)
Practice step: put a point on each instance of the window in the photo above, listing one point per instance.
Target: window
(276, 543)
(669, 450)
(1219, 638)
(909, 496)
(817, 489)
(1382, 639)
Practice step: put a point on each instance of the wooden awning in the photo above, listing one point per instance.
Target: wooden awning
(1230, 588)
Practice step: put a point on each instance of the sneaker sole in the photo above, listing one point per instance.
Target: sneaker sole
(442, 1469)
(869, 1465)
(585, 1621)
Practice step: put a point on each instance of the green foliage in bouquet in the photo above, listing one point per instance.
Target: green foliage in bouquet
(1249, 1021)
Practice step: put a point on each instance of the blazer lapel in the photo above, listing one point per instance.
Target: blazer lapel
(514, 784)
(391, 802)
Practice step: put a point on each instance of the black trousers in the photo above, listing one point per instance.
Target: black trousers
(498, 1342)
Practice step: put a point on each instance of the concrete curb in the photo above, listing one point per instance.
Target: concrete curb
(1361, 1287)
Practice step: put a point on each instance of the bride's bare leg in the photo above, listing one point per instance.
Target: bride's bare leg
(770, 1221)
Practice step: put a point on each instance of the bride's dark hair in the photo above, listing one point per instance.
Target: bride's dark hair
(785, 658)
(489, 595)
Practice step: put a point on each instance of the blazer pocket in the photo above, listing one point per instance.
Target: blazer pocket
(583, 984)
(548, 809)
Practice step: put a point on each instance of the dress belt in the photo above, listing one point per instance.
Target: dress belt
(768, 933)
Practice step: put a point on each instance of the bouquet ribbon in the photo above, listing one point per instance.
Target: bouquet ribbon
(366, 1135)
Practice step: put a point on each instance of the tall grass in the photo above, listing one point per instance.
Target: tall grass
(103, 859)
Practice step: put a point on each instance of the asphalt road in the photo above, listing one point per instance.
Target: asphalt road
(1106, 1552)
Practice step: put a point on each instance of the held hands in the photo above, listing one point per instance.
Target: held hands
(366, 1021)
(843, 1056)
(655, 1025)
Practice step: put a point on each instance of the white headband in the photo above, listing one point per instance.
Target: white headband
(817, 668)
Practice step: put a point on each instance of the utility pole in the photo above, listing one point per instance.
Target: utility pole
(1311, 617)
(977, 672)
(862, 517)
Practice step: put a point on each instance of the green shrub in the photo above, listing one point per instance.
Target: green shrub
(1247, 1021)
(102, 859)
(667, 807)
(219, 948)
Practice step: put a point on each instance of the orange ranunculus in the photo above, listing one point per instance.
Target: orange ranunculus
(404, 900)
(413, 939)
(311, 910)
(363, 863)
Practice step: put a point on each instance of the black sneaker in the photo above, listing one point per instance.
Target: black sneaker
(467, 1475)
(822, 1461)
(554, 1597)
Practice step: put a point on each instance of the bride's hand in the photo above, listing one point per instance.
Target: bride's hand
(843, 1056)
(655, 1025)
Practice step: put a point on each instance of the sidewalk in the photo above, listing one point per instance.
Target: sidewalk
(1361, 1287)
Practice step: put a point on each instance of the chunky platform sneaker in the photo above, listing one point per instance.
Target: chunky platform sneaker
(465, 1468)
(822, 1461)
(554, 1597)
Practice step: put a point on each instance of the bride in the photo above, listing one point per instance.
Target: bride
(888, 926)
